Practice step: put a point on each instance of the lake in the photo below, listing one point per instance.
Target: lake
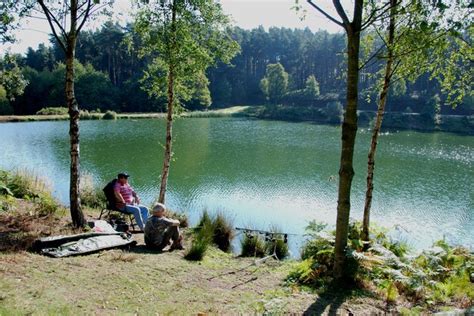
(265, 173)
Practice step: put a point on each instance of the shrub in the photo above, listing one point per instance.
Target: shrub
(223, 232)
(198, 249)
(27, 185)
(221, 229)
(279, 246)
(201, 241)
(53, 111)
(109, 115)
(91, 196)
(204, 220)
(276, 244)
(252, 246)
(46, 205)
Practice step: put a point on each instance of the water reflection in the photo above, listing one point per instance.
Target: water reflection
(265, 173)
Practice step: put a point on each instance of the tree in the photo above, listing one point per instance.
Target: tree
(409, 53)
(312, 87)
(349, 126)
(66, 19)
(275, 83)
(11, 79)
(183, 38)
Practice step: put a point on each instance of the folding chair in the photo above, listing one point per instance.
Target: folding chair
(108, 209)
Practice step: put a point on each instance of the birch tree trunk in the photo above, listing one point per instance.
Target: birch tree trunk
(378, 121)
(169, 118)
(349, 131)
(76, 211)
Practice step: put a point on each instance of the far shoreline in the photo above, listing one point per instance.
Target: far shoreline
(394, 121)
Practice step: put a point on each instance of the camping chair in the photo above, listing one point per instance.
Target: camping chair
(109, 208)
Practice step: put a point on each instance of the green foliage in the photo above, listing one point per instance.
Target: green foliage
(27, 185)
(278, 246)
(223, 232)
(53, 111)
(312, 87)
(220, 229)
(5, 107)
(202, 238)
(11, 77)
(275, 83)
(91, 196)
(276, 243)
(109, 115)
(198, 249)
(436, 276)
(46, 205)
(185, 38)
(334, 112)
(253, 246)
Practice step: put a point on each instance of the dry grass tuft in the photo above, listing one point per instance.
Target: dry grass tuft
(123, 256)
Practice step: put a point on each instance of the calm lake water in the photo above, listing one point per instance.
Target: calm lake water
(266, 173)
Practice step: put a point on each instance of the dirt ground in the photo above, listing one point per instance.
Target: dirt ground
(141, 282)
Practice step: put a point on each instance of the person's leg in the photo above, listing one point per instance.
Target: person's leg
(135, 210)
(175, 236)
(144, 212)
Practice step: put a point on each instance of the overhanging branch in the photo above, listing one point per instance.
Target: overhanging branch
(325, 13)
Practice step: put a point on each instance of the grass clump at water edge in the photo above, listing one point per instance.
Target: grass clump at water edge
(217, 230)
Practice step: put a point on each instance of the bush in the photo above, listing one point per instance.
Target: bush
(46, 205)
(279, 246)
(202, 239)
(109, 115)
(53, 111)
(91, 196)
(276, 244)
(252, 246)
(221, 229)
(27, 185)
(223, 232)
(198, 250)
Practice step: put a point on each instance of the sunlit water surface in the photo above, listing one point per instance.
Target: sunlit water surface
(265, 173)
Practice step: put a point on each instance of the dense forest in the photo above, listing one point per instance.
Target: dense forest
(110, 72)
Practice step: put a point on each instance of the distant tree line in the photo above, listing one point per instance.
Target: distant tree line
(286, 66)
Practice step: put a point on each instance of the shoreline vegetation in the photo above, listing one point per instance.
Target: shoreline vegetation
(386, 278)
(458, 124)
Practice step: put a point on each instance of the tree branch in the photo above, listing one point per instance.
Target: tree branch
(86, 15)
(324, 13)
(51, 18)
(372, 18)
(342, 13)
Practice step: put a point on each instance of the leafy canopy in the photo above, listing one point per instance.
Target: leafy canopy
(196, 38)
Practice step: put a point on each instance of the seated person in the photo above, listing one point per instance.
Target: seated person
(127, 200)
(159, 230)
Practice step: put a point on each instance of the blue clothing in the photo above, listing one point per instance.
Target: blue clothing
(140, 213)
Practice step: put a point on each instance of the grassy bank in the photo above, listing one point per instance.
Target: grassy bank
(139, 281)
(235, 111)
(332, 115)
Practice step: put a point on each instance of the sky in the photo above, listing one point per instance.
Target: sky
(246, 14)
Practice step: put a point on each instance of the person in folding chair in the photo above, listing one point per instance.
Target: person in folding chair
(127, 201)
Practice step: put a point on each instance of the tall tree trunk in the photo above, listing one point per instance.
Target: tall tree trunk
(169, 135)
(378, 121)
(75, 203)
(169, 118)
(349, 131)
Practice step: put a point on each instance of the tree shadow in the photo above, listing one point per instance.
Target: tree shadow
(330, 301)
